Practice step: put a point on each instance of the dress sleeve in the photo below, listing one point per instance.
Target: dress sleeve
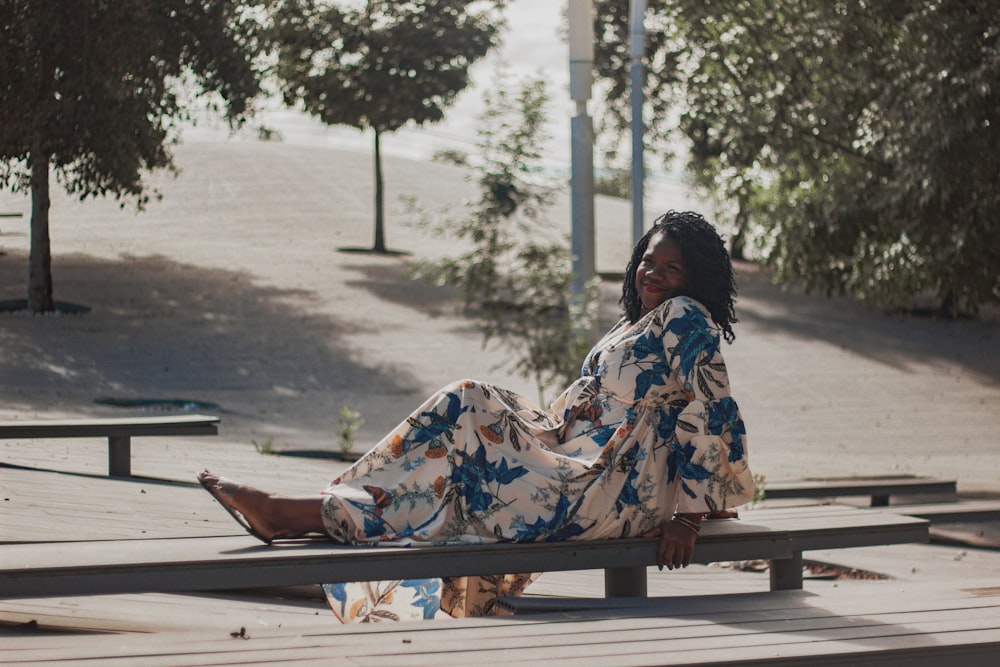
(707, 441)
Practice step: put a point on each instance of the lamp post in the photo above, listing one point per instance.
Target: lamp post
(581, 65)
(637, 13)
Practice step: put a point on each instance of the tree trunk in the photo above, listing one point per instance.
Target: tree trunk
(737, 241)
(40, 258)
(379, 198)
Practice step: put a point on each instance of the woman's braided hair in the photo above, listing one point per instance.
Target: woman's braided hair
(710, 280)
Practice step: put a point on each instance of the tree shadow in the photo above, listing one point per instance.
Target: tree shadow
(894, 340)
(164, 330)
(393, 283)
(396, 284)
(788, 622)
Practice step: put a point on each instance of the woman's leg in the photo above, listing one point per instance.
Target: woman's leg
(271, 515)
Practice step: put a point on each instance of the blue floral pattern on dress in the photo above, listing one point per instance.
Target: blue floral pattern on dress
(649, 429)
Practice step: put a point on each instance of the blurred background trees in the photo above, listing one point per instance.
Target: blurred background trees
(514, 274)
(380, 64)
(853, 143)
(92, 92)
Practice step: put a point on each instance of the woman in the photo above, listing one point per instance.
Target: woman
(645, 443)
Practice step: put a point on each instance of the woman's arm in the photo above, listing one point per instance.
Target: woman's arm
(677, 540)
(708, 457)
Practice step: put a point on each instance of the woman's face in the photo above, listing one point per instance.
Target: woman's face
(661, 273)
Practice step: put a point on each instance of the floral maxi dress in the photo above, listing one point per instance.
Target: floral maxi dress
(649, 429)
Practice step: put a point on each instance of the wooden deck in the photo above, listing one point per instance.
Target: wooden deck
(701, 615)
(897, 626)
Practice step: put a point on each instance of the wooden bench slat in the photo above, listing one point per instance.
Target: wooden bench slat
(839, 529)
(85, 568)
(118, 431)
(35, 570)
(880, 489)
(964, 510)
(125, 426)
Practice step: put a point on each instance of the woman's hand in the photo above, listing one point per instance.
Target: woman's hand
(676, 544)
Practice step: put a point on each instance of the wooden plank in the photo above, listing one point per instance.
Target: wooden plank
(125, 426)
(207, 564)
(832, 527)
(305, 607)
(44, 507)
(176, 459)
(880, 489)
(34, 570)
(697, 579)
(873, 597)
(166, 612)
(83, 504)
(962, 510)
(795, 629)
(118, 432)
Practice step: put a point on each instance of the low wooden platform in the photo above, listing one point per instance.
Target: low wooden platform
(880, 489)
(118, 431)
(962, 510)
(866, 624)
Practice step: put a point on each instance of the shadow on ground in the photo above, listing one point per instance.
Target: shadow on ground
(159, 329)
(895, 340)
(394, 284)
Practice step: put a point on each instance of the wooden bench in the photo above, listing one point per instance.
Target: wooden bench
(198, 564)
(952, 512)
(119, 433)
(879, 488)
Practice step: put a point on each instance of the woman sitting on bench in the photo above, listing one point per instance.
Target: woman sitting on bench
(645, 443)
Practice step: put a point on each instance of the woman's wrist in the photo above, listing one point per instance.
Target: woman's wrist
(690, 521)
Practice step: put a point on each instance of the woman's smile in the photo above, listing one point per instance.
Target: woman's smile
(661, 274)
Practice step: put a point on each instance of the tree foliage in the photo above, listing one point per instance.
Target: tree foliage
(515, 274)
(856, 139)
(380, 64)
(92, 89)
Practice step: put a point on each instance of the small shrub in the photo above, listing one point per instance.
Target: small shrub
(348, 424)
(266, 447)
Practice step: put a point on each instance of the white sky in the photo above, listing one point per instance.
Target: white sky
(532, 47)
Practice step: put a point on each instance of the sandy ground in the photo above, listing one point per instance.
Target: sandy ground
(232, 291)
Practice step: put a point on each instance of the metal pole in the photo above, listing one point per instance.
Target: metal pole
(581, 65)
(637, 13)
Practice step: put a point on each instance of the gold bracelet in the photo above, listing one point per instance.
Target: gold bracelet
(682, 517)
(691, 525)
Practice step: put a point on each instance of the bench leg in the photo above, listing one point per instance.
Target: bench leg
(625, 582)
(880, 501)
(119, 456)
(786, 573)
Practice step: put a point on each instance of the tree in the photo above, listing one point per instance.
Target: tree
(515, 274)
(855, 139)
(381, 65)
(92, 90)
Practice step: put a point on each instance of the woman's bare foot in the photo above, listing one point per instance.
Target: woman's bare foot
(249, 506)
